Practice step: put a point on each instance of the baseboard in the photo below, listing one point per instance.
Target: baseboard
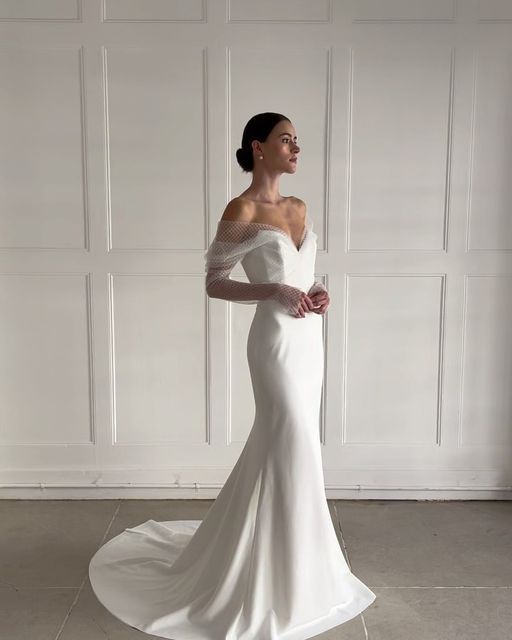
(141, 491)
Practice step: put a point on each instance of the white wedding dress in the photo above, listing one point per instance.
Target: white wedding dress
(265, 562)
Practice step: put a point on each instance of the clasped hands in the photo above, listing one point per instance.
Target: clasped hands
(317, 302)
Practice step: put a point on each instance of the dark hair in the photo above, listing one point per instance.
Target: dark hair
(258, 128)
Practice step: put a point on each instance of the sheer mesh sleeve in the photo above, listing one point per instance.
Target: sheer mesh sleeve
(233, 240)
(317, 286)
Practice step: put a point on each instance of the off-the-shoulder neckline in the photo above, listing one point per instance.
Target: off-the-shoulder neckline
(272, 227)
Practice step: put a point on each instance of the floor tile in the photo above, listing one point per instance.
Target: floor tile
(33, 614)
(440, 614)
(411, 543)
(48, 543)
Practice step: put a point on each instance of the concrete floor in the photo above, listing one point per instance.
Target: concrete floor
(440, 570)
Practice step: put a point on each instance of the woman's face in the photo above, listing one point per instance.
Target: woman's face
(280, 151)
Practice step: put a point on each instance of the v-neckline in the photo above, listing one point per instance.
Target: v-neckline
(283, 232)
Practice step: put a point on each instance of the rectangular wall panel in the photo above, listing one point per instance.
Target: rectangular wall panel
(486, 402)
(403, 9)
(490, 218)
(42, 172)
(400, 103)
(157, 354)
(393, 359)
(156, 174)
(45, 360)
(154, 10)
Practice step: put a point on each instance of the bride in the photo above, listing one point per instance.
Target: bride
(265, 562)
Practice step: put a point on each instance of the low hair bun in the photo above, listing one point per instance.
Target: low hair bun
(244, 158)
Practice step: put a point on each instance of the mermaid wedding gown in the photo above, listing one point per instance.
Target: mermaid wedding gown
(265, 562)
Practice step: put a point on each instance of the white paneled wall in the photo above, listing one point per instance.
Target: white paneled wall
(119, 121)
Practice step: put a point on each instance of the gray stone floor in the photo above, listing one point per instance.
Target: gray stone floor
(441, 570)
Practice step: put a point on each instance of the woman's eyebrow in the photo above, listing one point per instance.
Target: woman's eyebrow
(288, 134)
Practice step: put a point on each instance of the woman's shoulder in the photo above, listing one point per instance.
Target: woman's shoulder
(298, 202)
(239, 209)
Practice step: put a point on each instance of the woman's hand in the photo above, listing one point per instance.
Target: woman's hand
(321, 301)
(298, 302)
(305, 305)
(294, 300)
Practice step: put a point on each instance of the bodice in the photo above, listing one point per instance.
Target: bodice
(278, 259)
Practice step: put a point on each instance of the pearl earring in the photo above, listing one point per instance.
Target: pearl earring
(260, 157)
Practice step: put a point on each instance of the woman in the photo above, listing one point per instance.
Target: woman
(264, 563)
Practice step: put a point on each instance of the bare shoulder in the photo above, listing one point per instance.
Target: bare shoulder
(299, 205)
(298, 202)
(239, 210)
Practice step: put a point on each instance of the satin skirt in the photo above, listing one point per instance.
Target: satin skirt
(265, 562)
